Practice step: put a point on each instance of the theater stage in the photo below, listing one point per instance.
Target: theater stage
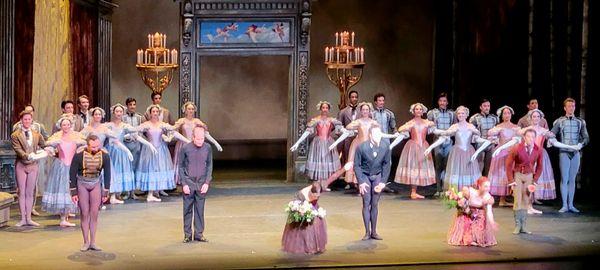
(244, 221)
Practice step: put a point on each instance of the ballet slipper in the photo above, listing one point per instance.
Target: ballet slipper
(33, 223)
(66, 224)
(415, 196)
(21, 223)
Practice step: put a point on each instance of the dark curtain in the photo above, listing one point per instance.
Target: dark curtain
(24, 38)
(84, 28)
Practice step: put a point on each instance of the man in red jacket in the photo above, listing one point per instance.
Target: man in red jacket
(523, 168)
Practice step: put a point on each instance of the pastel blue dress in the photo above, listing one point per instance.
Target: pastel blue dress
(155, 172)
(122, 177)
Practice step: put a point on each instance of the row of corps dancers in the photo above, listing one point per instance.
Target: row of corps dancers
(138, 150)
(457, 164)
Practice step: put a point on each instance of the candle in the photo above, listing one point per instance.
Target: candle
(352, 39)
(149, 42)
(174, 56)
(362, 55)
(336, 39)
(338, 55)
(165, 41)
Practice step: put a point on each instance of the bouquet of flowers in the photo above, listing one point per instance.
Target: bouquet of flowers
(453, 199)
(303, 212)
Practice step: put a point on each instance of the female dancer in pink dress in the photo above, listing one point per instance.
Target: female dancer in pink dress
(475, 228)
(308, 238)
(321, 162)
(186, 126)
(504, 131)
(414, 168)
(57, 197)
(359, 127)
(545, 188)
(462, 169)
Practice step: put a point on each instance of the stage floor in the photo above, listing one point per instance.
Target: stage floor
(245, 219)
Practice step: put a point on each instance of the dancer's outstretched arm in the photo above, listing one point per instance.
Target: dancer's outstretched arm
(437, 143)
(399, 138)
(507, 145)
(345, 135)
(144, 142)
(213, 141)
(484, 144)
(300, 140)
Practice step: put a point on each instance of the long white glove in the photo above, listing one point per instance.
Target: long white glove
(145, 142)
(507, 145)
(300, 140)
(119, 145)
(341, 139)
(399, 138)
(213, 141)
(437, 143)
(554, 142)
(180, 137)
(484, 145)
(40, 154)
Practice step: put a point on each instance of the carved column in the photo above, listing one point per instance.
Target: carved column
(187, 52)
(297, 161)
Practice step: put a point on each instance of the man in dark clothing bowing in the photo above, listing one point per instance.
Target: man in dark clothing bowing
(195, 171)
(372, 164)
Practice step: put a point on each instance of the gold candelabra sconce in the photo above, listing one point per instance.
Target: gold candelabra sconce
(157, 63)
(344, 63)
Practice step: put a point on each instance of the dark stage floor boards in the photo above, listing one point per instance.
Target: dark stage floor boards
(244, 221)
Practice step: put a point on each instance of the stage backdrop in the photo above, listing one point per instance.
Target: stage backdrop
(397, 36)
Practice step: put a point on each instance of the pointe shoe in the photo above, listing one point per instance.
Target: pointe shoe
(95, 247)
(85, 247)
(573, 209)
(66, 224)
(151, 198)
(532, 211)
(71, 215)
(416, 196)
(21, 223)
(114, 200)
(564, 209)
(35, 213)
(163, 193)
(33, 223)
